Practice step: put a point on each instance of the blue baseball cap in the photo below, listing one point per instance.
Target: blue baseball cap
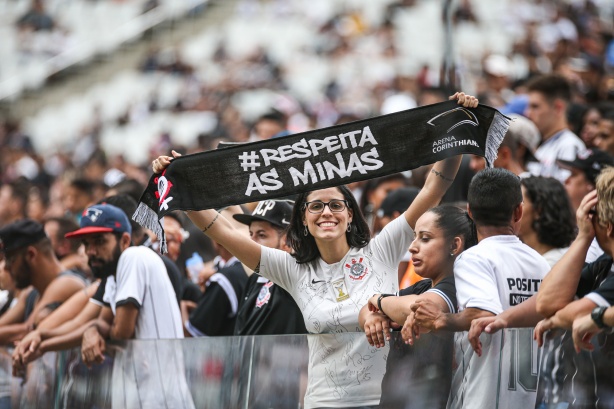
(516, 105)
(102, 218)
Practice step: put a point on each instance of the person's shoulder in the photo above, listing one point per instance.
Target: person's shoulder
(569, 138)
(418, 288)
(279, 259)
(235, 268)
(400, 223)
(170, 265)
(255, 280)
(68, 276)
(496, 246)
(447, 285)
(142, 257)
(491, 246)
(141, 254)
(473, 251)
(138, 251)
(603, 263)
(76, 274)
(570, 135)
(531, 253)
(483, 254)
(275, 252)
(445, 282)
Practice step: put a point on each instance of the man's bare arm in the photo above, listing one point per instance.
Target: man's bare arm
(124, 323)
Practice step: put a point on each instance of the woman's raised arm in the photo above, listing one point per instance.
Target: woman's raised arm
(217, 227)
(441, 175)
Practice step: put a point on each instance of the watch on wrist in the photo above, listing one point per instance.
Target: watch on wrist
(597, 316)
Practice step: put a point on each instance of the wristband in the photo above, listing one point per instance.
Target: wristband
(379, 301)
(597, 316)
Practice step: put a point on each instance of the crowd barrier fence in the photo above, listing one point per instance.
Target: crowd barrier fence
(262, 372)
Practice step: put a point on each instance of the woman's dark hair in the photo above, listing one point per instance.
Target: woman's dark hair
(555, 223)
(305, 248)
(455, 222)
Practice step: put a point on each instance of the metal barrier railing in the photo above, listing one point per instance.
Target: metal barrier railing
(271, 372)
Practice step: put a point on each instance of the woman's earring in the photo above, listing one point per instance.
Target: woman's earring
(306, 232)
(451, 254)
(349, 227)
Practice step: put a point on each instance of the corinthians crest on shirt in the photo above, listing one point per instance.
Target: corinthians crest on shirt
(357, 270)
(264, 295)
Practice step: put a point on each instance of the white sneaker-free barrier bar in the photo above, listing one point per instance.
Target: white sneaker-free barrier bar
(272, 372)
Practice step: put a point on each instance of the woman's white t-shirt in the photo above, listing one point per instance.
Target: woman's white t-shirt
(344, 370)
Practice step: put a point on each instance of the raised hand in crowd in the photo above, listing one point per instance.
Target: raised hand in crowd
(584, 215)
(161, 162)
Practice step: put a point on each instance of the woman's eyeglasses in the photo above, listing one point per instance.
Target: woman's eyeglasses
(317, 206)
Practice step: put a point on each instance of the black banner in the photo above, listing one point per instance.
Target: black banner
(321, 158)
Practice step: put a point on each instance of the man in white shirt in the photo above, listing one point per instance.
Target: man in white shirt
(144, 306)
(549, 96)
(496, 274)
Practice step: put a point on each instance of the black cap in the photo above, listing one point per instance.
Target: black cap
(397, 200)
(276, 212)
(591, 162)
(20, 234)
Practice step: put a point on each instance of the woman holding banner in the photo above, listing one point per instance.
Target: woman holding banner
(333, 272)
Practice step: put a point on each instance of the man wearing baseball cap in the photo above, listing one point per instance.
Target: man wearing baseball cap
(132, 273)
(267, 309)
(517, 149)
(584, 171)
(141, 298)
(30, 260)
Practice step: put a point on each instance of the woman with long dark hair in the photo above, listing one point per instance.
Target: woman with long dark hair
(334, 270)
(548, 223)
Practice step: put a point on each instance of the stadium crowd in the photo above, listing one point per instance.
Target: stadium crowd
(465, 252)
